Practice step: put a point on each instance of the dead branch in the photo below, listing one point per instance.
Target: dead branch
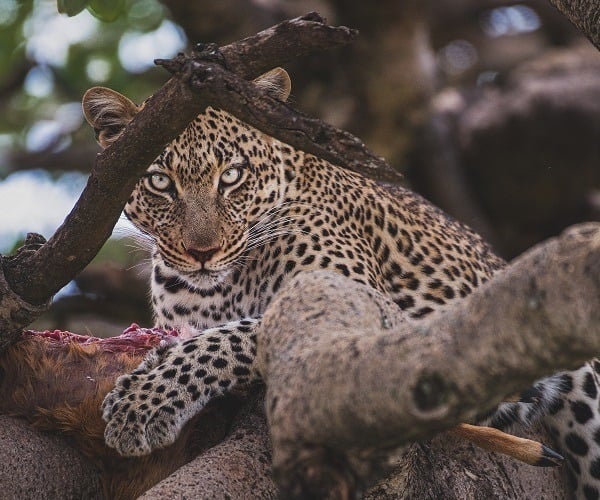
(414, 379)
(241, 98)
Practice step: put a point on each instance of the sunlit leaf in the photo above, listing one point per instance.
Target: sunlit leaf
(145, 15)
(71, 7)
(106, 10)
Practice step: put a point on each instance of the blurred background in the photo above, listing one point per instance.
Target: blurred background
(491, 109)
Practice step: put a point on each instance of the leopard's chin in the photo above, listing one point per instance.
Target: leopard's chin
(206, 278)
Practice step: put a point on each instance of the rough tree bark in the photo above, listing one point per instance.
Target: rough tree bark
(414, 378)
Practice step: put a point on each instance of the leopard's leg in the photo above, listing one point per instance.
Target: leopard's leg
(148, 407)
(567, 404)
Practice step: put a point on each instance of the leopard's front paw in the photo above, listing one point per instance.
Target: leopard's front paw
(146, 409)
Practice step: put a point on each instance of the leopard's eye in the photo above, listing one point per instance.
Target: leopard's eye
(159, 182)
(230, 176)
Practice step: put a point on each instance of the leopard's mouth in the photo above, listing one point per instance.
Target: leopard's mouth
(184, 267)
(197, 274)
(205, 272)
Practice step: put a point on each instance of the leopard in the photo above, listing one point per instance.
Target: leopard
(233, 214)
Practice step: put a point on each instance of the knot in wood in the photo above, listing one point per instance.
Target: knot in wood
(430, 392)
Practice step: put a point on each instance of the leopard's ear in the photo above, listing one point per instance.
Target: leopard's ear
(108, 112)
(276, 83)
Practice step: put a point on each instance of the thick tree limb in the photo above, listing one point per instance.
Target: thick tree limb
(238, 467)
(36, 275)
(57, 380)
(584, 14)
(35, 465)
(415, 378)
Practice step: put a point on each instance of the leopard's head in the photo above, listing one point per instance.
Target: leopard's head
(201, 198)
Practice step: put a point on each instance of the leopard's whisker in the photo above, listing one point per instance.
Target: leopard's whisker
(143, 263)
(263, 223)
(278, 230)
(254, 243)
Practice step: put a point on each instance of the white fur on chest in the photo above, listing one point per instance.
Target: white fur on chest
(200, 304)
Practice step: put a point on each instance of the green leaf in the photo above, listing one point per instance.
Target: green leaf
(71, 7)
(106, 10)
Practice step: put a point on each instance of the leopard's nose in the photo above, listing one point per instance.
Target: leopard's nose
(203, 254)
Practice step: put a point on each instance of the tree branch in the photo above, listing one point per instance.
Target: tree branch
(414, 378)
(241, 98)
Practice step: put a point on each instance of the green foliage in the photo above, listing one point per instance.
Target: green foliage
(71, 7)
(49, 59)
(105, 10)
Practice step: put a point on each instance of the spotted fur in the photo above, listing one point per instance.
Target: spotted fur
(567, 404)
(233, 215)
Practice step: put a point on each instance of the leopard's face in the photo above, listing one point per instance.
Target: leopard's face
(202, 197)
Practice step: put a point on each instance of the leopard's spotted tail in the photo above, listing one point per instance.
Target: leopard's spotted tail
(567, 404)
